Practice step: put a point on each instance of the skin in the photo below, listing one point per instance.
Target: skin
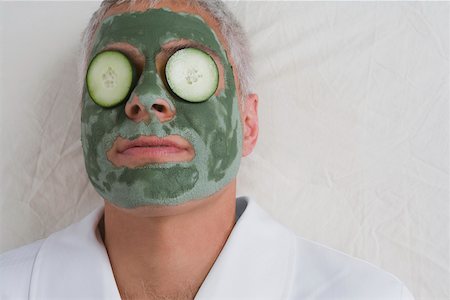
(166, 251)
(209, 132)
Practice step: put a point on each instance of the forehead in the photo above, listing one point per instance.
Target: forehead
(174, 6)
(155, 28)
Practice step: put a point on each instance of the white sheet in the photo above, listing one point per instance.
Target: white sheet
(353, 149)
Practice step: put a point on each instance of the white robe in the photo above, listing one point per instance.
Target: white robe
(261, 259)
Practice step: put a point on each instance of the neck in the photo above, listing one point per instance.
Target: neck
(168, 252)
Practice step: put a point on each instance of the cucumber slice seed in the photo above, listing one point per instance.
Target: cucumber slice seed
(109, 78)
(192, 74)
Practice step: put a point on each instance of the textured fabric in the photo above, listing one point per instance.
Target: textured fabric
(261, 259)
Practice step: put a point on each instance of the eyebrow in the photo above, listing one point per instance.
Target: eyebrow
(187, 43)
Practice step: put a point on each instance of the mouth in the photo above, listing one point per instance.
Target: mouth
(150, 149)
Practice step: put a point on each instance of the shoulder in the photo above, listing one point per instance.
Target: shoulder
(297, 268)
(16, 267)
(325, 273)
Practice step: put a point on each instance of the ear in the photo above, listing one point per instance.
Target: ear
(250, 123)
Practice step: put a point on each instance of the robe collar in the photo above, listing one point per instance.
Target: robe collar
(257, 261)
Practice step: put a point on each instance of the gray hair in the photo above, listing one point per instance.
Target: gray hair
(231, 30)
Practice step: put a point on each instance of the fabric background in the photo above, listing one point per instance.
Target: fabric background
(353, 150)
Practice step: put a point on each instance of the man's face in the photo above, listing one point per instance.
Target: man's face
(212, 128)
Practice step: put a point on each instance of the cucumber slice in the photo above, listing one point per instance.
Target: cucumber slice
(192, 74)
(109, 78)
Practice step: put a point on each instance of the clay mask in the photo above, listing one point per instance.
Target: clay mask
(212, 127)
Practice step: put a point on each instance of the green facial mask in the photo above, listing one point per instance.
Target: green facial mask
(212, 127)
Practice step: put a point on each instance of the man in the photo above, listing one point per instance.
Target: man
(164, 156)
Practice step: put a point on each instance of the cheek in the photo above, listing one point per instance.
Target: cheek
(207, 119)
(97, 122)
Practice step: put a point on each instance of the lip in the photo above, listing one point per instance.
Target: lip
(172, 141)
(150, 149)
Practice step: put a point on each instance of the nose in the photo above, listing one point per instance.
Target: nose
(160, 109)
